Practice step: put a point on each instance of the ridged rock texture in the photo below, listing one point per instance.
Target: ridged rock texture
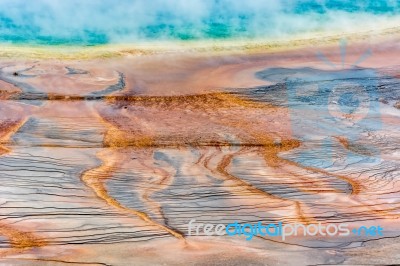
(105, 161)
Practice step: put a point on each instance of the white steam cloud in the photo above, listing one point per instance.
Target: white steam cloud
(97, 21)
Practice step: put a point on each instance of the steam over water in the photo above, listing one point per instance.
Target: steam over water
(101, 22)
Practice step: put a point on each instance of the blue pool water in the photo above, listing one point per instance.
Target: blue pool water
(93, 22)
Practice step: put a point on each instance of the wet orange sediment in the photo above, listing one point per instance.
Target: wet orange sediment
(206, 103)
(270, 151)
(7, 129)
(221, 168)
(354, 147)
(225, 162)
(271, 156)
(228, 110)
(7, 90)
(356, 186)
(115, 139)
(158, 185)
(343, 141)
(311, 185)
(18, 239)
(219, 105)
(351, 147)
(138, 137)
(95, 179)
